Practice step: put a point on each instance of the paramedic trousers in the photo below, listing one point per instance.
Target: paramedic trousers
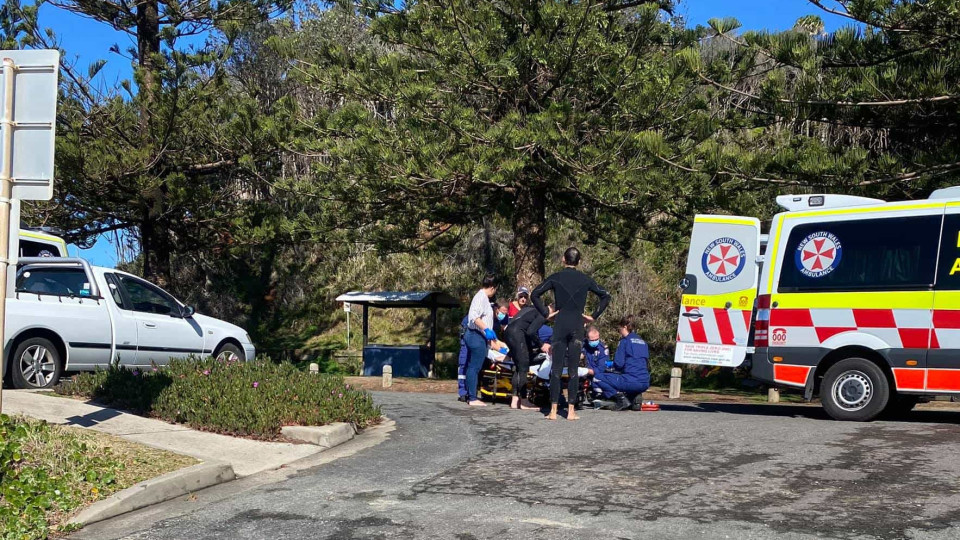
(462, 369)
(476, 356)
(521, 363)
(612, 383)
(567, 343)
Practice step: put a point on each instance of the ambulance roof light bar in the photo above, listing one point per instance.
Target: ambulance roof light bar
(793, 203)
(946, 193)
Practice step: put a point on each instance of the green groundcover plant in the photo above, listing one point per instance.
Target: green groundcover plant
(48, 472)
(250, 399)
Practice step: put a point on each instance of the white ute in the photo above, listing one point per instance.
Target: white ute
(66, 315)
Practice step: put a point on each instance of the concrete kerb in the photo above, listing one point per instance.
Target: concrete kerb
(156, 490)
(325, 436)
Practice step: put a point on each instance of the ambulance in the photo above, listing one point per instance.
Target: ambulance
(851, 299)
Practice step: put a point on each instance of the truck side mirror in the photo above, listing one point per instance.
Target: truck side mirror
(187, 311)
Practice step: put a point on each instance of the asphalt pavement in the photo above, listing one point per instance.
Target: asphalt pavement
(706, 471)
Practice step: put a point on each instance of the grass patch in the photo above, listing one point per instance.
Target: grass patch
(250, 399)
(49, 472)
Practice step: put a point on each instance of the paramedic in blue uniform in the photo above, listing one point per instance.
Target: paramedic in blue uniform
(462, 361)
(595, 352)
(629, 375)
(500, 317)
(478, 335)
(570, 288)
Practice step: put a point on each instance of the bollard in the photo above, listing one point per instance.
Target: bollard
(387, 376)
(314, 368)
(773, 395)
(675, 375)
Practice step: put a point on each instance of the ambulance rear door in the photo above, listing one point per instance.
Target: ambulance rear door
(719, 290)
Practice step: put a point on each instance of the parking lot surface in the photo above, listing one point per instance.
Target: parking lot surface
(709, 471)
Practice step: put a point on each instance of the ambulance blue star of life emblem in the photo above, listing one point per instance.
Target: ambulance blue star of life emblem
(723, 259)
(818, 254)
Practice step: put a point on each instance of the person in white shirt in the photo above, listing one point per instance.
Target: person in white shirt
(478, 335)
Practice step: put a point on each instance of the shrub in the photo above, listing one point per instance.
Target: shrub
(253, 399)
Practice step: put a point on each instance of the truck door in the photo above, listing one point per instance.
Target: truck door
(719, 290)
(162, 333)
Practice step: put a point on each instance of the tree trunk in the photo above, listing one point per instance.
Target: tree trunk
(529, 236)
(156, 249)
(155, 241)
(148, 47)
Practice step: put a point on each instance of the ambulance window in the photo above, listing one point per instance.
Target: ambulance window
(872, 254)
(948, 277)
(29, 248)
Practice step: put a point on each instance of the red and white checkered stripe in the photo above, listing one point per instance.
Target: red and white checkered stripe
(898, 328)
(717, 326)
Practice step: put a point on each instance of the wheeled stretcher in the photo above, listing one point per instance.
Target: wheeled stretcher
(496, 381)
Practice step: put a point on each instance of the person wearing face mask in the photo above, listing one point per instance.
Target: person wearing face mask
(595, 352)
(501, 319)
(629, 376)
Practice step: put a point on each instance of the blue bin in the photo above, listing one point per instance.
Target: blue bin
(407, 360)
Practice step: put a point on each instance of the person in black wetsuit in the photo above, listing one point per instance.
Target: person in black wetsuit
(570, 288)
(522, 335)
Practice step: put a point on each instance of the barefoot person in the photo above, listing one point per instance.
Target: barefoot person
(570, 288)
(478, 335)
(521, 336)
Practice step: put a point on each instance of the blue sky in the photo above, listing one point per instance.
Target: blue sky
(86, 41)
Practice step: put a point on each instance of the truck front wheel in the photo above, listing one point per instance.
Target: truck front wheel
(854, 389)
(36, 364)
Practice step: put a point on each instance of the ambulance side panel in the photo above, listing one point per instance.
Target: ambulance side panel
(850, 282)
(943, 361)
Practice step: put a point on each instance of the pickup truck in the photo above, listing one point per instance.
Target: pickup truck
(66, 315)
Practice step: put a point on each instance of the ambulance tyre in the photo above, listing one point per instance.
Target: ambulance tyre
(854, 389)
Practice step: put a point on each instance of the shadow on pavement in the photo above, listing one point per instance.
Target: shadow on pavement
(806, 411)
(92, 419)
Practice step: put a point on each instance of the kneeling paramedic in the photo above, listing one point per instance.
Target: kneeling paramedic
(596, 355)
(629, 377)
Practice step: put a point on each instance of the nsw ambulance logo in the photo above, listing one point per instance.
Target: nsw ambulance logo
(818, 254)
(723, 259)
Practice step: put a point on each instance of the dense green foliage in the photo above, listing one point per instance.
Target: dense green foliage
(47, 472)
(252, 399)
(348, 145)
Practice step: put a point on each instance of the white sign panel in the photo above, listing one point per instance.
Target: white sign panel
(34, 121)
(346, 307)
(707, 354)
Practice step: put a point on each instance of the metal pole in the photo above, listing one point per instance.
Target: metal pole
(366, 325)
(348, 330)
(6, 193)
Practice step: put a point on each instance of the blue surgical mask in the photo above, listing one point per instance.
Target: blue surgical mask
(594, 343)
(501, 316)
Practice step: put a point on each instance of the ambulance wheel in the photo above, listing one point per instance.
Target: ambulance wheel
(854, 389)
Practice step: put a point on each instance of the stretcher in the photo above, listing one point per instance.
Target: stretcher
(496, 381)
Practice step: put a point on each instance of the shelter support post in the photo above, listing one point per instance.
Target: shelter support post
(366, 324)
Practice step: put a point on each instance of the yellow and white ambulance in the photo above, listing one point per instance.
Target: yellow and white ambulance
(853, 299)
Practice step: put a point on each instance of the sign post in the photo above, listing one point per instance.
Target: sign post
(27, 139)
